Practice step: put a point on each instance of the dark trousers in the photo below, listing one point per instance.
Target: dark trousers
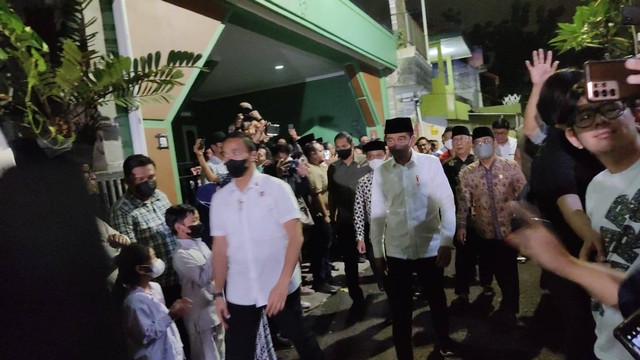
(400, 293)
(501, 260)
(467, 256)
(319, 245)
(240, 336)
(346, 235)
(572, 308)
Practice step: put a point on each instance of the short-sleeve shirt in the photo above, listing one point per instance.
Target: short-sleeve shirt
(319, 183)
(143, 222)
(253, 223)
(571, 170)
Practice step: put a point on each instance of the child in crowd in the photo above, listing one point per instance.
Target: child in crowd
(148, 325)
(192, 261)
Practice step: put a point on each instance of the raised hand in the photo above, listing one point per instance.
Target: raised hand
(541, 67)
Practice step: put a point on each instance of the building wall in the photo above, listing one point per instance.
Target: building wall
(155, 25)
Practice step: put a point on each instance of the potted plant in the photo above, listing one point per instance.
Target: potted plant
(52, 97)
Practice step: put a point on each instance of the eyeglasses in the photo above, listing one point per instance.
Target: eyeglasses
(485, 141)
(609, 110)
(459, 139)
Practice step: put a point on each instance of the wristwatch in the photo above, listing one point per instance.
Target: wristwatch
(218, 294)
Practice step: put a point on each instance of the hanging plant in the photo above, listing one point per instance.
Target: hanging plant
(56, 100)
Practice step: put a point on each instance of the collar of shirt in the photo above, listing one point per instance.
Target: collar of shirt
(256, 181)
(358, 159)
(189, 243)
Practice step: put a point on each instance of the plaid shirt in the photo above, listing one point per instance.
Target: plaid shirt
(143, 221)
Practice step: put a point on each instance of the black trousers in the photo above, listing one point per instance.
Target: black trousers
(572, 307)
(240, 336)
(319, 249)
(400, 293)
(501, 260)
(346, 235)
(467, 256)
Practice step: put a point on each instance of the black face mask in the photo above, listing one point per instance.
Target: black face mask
(237, 168)
(399, 151)
(344, 153)
(196, 230)
(146, 189)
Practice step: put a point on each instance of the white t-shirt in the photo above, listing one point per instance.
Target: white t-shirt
(508, 150)
(613, 204)
(252, 221)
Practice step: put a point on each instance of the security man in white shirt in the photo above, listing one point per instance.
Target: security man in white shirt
(413, 210)
(257, 238)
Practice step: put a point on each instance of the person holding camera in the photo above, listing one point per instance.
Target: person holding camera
(607, 129)
(561, 200)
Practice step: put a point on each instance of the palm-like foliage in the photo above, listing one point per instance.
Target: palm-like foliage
(596, 25)
(58, 99)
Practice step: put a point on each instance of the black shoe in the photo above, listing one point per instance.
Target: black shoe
(459, 305)
(450, 348)
(325, 288)
(334, 282)
(280, 342)
(503, 319)
(362, 259)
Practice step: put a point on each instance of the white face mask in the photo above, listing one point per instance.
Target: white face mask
(448, 144)
(157, 268)
(374, 163)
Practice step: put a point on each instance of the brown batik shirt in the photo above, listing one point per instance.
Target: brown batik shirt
(486, 192)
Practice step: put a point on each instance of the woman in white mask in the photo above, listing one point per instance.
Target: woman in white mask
(376, 154)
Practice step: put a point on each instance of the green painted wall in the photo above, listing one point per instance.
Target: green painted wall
(323, 107)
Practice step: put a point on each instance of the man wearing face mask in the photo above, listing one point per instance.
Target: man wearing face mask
(192, 261)
(139, 215)
(466, 252)
(446, 152)
(487, 186)
(343, 178)
(375, 151)
(412, 209)
(257, 270)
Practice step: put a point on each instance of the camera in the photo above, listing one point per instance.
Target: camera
(607, 81)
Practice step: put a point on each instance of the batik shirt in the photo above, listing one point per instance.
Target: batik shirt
(488, 192)
(362, 208)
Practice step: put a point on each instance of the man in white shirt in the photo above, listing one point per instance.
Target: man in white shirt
(257, 238)
(412, 209)
(506, 146)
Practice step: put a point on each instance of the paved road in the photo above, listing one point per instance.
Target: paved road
(534, 337)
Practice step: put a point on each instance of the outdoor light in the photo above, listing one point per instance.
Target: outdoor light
(163, 141)
(279, 67)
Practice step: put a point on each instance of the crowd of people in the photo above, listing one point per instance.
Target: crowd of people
(196, 281)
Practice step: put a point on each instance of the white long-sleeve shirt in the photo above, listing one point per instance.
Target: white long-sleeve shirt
(412, 208)
(151, 334)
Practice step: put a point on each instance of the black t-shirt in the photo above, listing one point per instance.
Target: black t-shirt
(561, 169)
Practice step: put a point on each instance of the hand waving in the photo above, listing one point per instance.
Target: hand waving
(541, 67)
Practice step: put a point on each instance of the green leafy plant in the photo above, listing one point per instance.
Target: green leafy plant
(57, 99)
(596, 25)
